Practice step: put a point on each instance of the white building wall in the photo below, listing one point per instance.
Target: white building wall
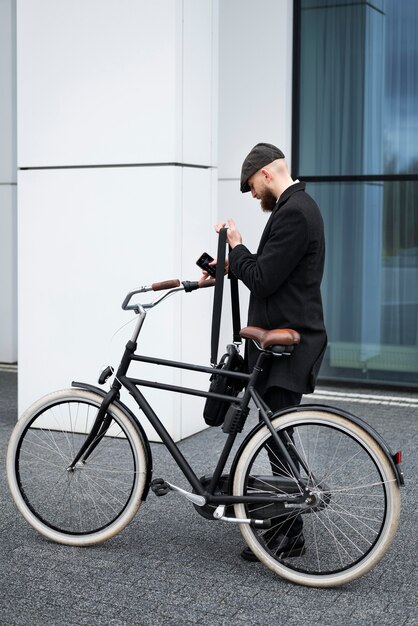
(118, 181)
(8, 236)
(117, 186)
(255, 102)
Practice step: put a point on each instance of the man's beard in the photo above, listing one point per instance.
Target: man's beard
(268, 201)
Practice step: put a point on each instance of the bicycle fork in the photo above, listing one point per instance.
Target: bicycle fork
(97, 432)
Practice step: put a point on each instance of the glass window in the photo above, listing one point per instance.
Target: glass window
(370, 286)
(356, 143)
(358, 87)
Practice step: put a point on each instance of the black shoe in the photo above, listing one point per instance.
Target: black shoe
(283, 546)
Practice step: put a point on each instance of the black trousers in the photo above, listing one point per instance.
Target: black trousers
(278, 398)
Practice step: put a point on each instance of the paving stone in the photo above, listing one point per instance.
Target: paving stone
(170, 566)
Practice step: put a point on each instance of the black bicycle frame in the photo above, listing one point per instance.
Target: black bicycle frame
(131, 384)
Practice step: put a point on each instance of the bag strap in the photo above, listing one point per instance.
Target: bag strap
(217, 300)
(236, 318)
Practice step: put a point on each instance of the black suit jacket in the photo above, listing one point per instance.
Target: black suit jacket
(284, 279)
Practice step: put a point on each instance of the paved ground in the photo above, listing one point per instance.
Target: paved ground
(170, 566)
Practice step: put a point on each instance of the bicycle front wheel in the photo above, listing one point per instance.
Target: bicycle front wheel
(357, 501)
(92, 501)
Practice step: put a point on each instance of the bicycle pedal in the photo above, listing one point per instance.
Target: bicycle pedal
(159, 487)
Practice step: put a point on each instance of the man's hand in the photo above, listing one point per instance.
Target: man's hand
(233, 235)
(206, 280)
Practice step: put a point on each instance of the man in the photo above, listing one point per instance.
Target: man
(284, 278)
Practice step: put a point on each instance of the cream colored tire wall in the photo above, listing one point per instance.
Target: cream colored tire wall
(74, 395)
(393, 498)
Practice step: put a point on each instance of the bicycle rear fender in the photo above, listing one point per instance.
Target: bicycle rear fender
(134, 420)
(397, 470)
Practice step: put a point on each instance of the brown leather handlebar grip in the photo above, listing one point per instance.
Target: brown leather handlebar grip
(206, 283)
(166, 284)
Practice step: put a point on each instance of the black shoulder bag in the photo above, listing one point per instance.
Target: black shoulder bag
(215, 410)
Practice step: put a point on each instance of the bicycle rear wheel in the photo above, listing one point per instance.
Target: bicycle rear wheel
(95, 500)
(357, 499)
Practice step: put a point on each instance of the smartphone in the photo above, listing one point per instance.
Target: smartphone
(203, 262)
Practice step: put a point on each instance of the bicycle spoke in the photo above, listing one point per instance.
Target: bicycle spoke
(349, 504)
(91, 495)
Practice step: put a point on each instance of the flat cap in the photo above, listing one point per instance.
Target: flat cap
(261, 155)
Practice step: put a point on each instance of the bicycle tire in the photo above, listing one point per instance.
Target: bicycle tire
(353, 525)
(96, 500)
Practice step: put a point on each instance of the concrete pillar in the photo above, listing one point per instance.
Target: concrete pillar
(8, 236)
(255, 104)
(117, 188)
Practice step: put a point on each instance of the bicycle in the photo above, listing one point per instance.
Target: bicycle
(79, 466)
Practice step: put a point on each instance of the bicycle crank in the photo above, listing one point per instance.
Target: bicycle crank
(219, 514)
(161, 487)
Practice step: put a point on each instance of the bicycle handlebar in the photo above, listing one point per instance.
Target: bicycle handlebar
(166, 284)
(172, 286)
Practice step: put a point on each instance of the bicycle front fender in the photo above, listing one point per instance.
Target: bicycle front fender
(392, 458)
(127, 411)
